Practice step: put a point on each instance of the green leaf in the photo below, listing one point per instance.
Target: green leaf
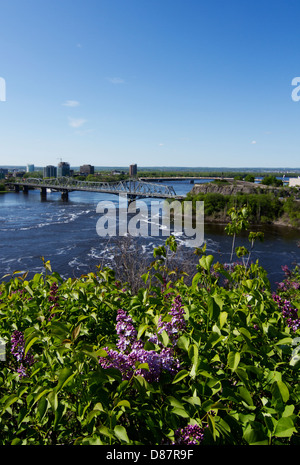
(180, 412)
(124, 403)
(65, 376)
(195, 280)
(206, 262)
(37, 396)
(29, 290)
(194, 357)
(174, 402)
(9, 400)
(53, 399)
(245, 395)
(143, 366)
(165, 338)
(284, 428)
(280, 391)
(142, 329)
(59, 412)
(212, 426)
(223, 318)
(30, 341)
(121, 433)
(233, 360)
(213, 308)
(180, 376)
(183, 343)
(42, 407)
(101, 353)
(145, 277)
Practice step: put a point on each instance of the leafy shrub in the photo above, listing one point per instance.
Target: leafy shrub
(90, 362)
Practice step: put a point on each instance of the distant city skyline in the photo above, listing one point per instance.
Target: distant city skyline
(160, 83)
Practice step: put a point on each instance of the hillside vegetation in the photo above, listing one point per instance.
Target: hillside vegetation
(267, 203)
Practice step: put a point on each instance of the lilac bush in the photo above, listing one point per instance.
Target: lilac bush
(204, 364)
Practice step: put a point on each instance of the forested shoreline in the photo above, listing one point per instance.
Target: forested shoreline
(278, 205)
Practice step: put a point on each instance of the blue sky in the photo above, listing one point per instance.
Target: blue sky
(154, 82)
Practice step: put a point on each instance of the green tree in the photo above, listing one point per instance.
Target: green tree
(271, 180)
(239, 221)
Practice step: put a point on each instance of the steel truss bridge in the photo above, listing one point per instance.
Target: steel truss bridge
(132, 188)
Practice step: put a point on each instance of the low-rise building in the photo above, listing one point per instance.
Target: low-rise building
(294, 182)
(86, 169)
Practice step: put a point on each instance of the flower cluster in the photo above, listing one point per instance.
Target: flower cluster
(288, 311)
(126, 332)
(286, 270)
(291, 280)
(53, 297)
(18, 350)
(174, 326)
(131, 352)
(190, 434)
(19, 291)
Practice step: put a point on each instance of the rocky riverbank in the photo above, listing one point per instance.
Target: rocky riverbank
(238, 187)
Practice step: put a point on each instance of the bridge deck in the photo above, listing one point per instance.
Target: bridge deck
(132, 188)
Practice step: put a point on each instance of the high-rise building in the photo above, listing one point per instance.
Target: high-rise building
(3, 173)
(133, 170)
(63, 169)
(87, 169)
(30, 168)
(50, 171)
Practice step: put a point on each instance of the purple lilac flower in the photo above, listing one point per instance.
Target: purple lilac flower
(289, 312)
(174, 326)
(286, 270)
(169, 362)
(132, 353)
(115, 359)
(18, 350)
(152, 358)
(191, 435)
(126, 332)
(53, 297)
(22, 371)
(17, 341)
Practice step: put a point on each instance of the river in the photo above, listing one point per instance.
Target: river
(64, 232)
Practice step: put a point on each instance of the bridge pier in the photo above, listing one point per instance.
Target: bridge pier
(65, 195)
(43, 193)
(25, 189)
(17, 188)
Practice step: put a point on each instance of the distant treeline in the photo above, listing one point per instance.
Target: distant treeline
(216, 173)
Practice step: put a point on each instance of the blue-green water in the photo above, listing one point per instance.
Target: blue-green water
(65, 233)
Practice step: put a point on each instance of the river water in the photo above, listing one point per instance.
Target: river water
(64, 232)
